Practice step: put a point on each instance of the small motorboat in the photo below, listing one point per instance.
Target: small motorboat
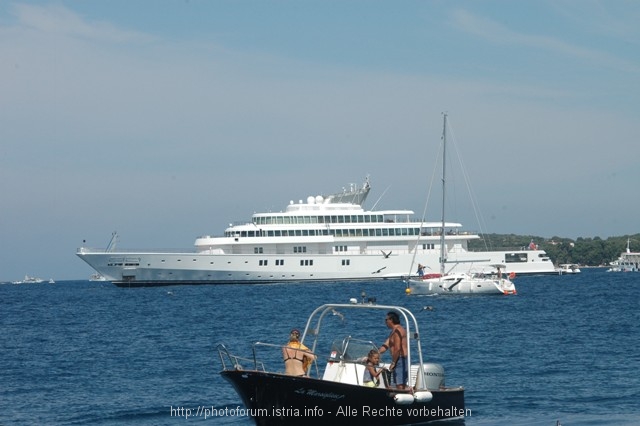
(333, 388)
(568, 268)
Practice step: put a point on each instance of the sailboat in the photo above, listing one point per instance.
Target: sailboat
(459, 282)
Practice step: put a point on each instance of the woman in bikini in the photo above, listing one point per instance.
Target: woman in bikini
(297, 356)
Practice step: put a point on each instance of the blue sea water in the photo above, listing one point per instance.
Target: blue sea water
(566, 348)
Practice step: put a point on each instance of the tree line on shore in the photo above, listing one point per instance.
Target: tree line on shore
(584, 251)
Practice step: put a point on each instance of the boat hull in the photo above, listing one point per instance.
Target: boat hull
(277, 399)
(461, 286)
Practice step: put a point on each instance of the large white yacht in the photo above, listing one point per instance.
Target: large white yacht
(326, 238)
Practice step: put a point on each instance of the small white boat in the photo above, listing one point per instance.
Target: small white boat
(457, 282)
(97, 277)
(51, 281)
(462, 283)
(29, 280)
(568, 268)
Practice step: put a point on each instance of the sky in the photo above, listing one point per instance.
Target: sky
(165, 120)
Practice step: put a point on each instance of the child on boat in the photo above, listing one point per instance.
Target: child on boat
(371, 376)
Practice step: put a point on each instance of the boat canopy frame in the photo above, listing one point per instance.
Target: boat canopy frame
(312, 328)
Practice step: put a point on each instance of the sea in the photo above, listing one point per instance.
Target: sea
(564, 351)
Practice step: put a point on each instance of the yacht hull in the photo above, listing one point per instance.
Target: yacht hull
(135, 269)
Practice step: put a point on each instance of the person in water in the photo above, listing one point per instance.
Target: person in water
(397, 343)
(371, 376)
(297, 356)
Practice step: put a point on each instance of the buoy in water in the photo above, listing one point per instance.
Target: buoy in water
(407, 291)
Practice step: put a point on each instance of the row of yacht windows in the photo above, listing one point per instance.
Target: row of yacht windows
(296, 249)
(294, 220)
(358, 232)
(299, 249)
(336, 249)
(280, 262)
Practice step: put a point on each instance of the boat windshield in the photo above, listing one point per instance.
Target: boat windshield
(351, 350)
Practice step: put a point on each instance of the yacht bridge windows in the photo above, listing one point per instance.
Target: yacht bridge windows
(334, 232)
(516, 258)
(297, 220)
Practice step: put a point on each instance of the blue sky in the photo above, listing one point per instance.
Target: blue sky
(166, 120)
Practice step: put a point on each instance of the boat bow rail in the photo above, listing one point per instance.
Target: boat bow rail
(93, 250)
(265, 357)
(233, 361)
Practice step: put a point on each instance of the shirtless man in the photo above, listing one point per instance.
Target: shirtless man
(397, 343)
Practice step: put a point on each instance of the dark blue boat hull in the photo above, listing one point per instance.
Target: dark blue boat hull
(277, 399)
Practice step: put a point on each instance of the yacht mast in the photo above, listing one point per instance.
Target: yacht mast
(443, 250)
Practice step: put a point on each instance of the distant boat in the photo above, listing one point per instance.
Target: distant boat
(457, 282)
(97, 277)
(29, 280)
(51, 281)
(568, 268)
(627, 262)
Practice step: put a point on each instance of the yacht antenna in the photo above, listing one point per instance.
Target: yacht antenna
(380, 198)
(112, 244)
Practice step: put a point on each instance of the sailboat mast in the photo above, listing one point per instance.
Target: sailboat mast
(443, 249)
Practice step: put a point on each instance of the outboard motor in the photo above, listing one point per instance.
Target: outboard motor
(433, 376)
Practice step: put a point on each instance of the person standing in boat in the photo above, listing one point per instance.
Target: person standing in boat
(297, 356)
(397, 343)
